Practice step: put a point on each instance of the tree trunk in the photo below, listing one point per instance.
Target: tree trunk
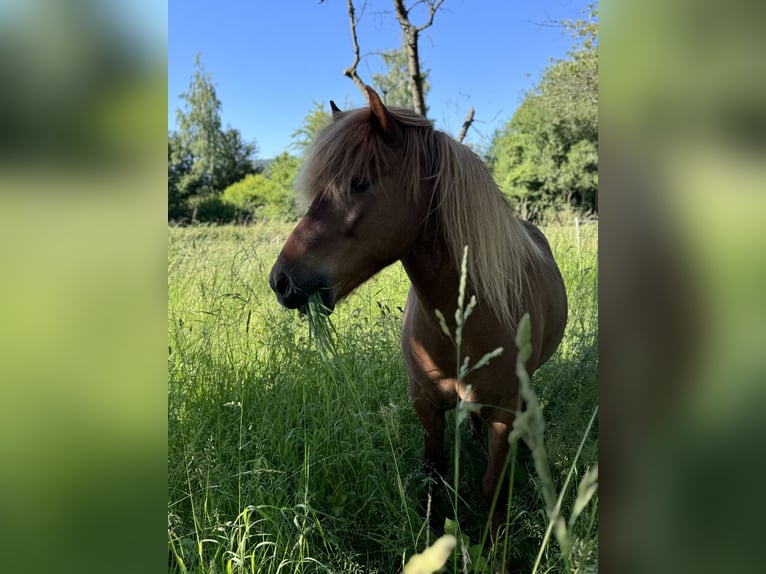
(416, 79)
(411, 33)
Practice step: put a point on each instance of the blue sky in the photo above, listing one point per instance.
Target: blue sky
(270, 60)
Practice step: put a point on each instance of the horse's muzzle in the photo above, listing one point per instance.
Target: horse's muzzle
(294, 294)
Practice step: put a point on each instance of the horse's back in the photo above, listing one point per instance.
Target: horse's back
(546, 299)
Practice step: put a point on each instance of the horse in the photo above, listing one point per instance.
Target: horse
(382, 185)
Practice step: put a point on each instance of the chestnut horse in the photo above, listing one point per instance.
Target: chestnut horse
(384, 186)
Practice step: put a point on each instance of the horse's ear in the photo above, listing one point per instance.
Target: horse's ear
(336, 111)
(382, 117)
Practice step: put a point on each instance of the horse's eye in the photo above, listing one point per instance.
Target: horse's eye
(359, 186)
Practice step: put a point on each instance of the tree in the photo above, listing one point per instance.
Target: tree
(411, 35)
(393, 84)
(203, 158)
(411, 38)
(235, 160)
(547, 154)
(415, 77)
(405, 74)
(179, 167)
(199, 131)
(314, 121)
(283, 170)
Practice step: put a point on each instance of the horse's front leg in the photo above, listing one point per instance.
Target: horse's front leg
(431, 418)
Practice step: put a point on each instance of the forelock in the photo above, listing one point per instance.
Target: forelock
(345, 149)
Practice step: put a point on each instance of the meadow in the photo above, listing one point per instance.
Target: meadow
(284, 458)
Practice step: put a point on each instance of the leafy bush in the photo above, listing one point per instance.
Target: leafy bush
(258, 197)
(211, 209)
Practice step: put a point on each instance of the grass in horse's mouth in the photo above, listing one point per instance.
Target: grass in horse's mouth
(318, 316)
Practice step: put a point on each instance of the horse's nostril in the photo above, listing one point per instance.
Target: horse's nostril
(282, 285)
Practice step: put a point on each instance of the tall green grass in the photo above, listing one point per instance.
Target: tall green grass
(288, 455)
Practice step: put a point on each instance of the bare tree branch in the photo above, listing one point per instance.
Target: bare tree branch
(432, 8)
(351, 70)
(466, 124)
(411, 34)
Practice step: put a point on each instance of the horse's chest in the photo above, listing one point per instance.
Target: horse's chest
(432, 368)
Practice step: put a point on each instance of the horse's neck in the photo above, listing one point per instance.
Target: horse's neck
(433, 274)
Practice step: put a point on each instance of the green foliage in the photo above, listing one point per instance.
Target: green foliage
(394, 84)
(211, 208)
(249, 195)
(234, 161)
(284, 169)
(179, 167)
(265, 196)
(203, 158)
(314, 121)
(547, 154)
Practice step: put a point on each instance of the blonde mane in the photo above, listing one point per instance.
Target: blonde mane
(470, 208)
